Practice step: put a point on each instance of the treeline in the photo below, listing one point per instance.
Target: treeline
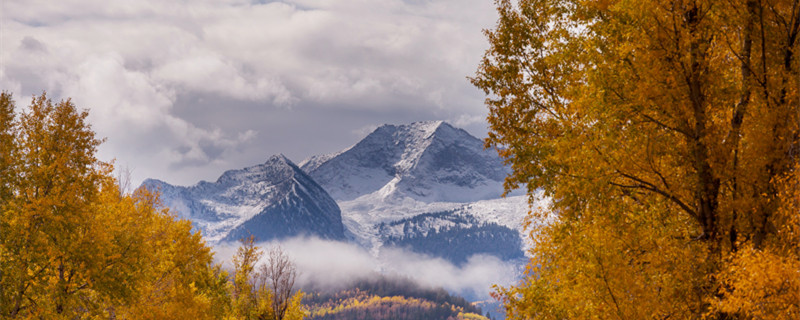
(389, 298)
(74, 244)
(389, 286)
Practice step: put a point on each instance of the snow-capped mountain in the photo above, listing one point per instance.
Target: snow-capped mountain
(426, 186)
(271, 200)
(425, 161)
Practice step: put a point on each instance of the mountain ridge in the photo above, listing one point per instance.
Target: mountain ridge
(275, 199)
(429, 161)
(395, 173)
(399, 172)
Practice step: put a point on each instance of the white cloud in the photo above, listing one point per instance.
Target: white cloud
(467, 120)
(209, 73)
(132, 62)
(334, 265)
(476, 276)
(135, 109)
(8, 84)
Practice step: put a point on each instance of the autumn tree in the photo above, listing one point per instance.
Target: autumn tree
(75, 243)
(244, 295)
(266, 291)
(763, 283)
(665, 133)
(279, 274)
(7, 132)
(72, 245)
(179, 279)
(50, 218)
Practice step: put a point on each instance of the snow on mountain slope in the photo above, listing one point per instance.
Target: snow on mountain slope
(455, 235)
(314, 162)
(425, 186)
(364, 216)
(399, 173)
(271, 200)
(427, 161)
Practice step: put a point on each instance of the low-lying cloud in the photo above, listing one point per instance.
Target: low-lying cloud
(334, 265)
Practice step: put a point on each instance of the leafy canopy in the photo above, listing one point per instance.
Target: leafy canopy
(75, 245)
(667, 134)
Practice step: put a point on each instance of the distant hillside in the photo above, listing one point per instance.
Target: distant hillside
(454, 235)
(387, 298)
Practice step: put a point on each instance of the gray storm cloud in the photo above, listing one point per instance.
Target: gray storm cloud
(184, 90)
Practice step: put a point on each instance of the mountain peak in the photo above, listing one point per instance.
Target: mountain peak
(279, 159)
(420, 129)
(420, 160)
(414, 135)
(271, 200)
(424, 126)
(417, 134)
(277, 167)
(431, 126)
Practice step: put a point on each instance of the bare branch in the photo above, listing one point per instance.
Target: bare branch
(279, 273)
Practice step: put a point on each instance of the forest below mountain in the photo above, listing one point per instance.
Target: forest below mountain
(386, 297)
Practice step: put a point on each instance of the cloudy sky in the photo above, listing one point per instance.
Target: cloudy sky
(184, 90)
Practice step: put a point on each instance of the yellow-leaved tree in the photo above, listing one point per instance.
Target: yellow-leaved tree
(266, 292)
(667, 134)
(72, 245)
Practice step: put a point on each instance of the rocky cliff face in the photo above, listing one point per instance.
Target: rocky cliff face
(271, 200)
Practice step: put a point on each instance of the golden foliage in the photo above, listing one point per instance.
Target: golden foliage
(253, 291)
(73, 245)
(662, 131)
(364, 301)
(766, 283)
(469, 316)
